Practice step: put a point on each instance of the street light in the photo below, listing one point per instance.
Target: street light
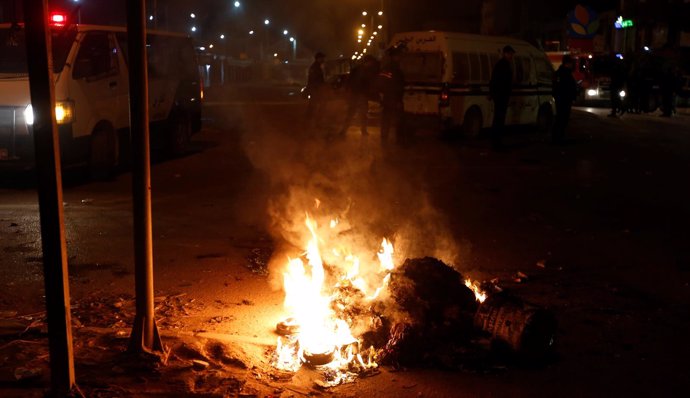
(237, 4)
(222, 36)
(266, 22)
(193, 28)
(251, 32)
(380, 13)
(192, 15)
(364, 13)
(285, 32)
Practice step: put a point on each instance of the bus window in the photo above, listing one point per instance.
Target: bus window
(461, 68)
(475, 68)
(422, 67)
(96, 58)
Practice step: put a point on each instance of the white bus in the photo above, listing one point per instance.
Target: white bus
(92, 94)
(447, 80)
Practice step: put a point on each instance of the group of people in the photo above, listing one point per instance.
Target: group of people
(368, 80)
(637, 78)
(500, 91)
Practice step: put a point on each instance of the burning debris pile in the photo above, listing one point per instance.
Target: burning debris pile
(348, 317)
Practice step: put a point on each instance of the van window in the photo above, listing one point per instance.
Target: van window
(461, 68)
(486, 67)
(96, 58)
(544, 69)
(475, 68)
(522, 68)
(422, 67)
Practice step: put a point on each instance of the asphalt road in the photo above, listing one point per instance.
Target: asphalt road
(606, 216)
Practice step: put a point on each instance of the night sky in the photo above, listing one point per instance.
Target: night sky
(328, 25)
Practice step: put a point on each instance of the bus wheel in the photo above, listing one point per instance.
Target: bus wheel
(472, 125)
(103, 154)
(180, 134)
(544, 119)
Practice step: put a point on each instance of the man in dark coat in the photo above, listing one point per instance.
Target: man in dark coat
(564, 92)
(316, 87)
(500, 88)
(392, 88)
(361, 85)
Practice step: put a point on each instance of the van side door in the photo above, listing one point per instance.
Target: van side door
(97, 81)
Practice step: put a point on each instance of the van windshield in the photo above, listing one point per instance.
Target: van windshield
(422, 67)
(13, 50)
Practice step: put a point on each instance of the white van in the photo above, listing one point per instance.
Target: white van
(92, 94)
(447, 80)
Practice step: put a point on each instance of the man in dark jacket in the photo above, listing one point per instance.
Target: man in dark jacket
(361, 85)
(500, 88)
(392, 87)
(564, 92)
(316, 87)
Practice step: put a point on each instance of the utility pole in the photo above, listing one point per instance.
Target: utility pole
(47, 149)
(145, 336)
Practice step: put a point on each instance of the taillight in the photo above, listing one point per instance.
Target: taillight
(444, 97)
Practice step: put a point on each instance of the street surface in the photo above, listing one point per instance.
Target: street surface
(600, 226)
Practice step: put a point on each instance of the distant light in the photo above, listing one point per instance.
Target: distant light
(592, 92)
(266, 22)
(150, 17)
(364, 51)
(192, 15)
(380, 26)
(590, 56)
(292, 39)
(251, 32)
(364, 13)
(380, 13)
(359, 40)
(285, 32)
(193, 28)
(222, 36)
(622, 93)
(619, 56)
(376, 33)
(354, 57)
(360, 32)
(210, 46)
(286, 62)
(364, 25)
(237, 4)
(202, 48)
(275, 55)
(646, 48)
(58, 19)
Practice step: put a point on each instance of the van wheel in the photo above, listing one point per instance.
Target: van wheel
(103, 154)
(472, 125)
(180, 134)
(544, 119)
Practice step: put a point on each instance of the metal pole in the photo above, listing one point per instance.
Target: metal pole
(46, 142)
(144, 337)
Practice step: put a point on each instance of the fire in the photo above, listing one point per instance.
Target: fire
(320, 337)
(479, 294)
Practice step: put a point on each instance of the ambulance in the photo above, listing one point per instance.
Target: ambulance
(447, 81)
(92, 94)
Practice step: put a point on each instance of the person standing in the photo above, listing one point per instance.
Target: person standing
(360, 84)
(564, 92)
(618, 75)
(392, 88)
(500, 88)
(316, 89)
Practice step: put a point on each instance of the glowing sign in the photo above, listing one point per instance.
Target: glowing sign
(623, 23)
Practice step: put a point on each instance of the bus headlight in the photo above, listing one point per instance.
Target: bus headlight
(29, 115)
(622, 93)
(592, 92)
(64, 112)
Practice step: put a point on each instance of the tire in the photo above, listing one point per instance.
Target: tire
(180, 134)
(472, 124)
(103, 154)
(544, 119)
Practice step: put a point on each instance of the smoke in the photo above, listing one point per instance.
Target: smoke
(355, 190)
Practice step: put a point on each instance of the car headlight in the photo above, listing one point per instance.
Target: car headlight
(622, 93)
(29, 115)
(592, 92)
(64, 112)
